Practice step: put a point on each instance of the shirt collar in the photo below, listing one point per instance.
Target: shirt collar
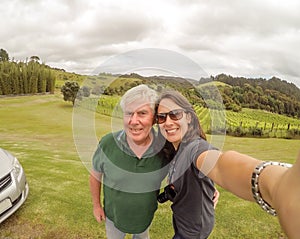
(154, 148)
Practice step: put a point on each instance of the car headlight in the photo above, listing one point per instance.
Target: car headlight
(17, 168)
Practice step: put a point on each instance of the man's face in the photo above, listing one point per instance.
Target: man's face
(138, 120)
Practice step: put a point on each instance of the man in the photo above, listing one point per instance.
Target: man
(131, 166)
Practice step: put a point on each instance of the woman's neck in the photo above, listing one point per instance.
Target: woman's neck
(176, 145)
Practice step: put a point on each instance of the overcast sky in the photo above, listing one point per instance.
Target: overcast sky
(254, 38)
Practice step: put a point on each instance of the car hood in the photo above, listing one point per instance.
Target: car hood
(6, 161)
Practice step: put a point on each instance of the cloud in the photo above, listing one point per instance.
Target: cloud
(245, 38)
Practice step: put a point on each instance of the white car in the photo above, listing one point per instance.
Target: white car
(13, 185)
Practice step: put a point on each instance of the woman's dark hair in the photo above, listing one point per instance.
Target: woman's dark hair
(194, 128)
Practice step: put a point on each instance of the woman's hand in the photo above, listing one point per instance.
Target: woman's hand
(216, 198)
(287, 200)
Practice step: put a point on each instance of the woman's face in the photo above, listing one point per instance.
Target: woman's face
(172, 129)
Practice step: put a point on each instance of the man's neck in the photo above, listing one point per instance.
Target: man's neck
(139, 148)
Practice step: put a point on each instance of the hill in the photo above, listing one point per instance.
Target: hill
(272, 84)
(273, 95)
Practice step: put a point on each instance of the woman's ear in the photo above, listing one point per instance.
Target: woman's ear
(189, 118)
(154, 121)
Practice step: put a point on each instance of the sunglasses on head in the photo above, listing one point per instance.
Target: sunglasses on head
(173, 114)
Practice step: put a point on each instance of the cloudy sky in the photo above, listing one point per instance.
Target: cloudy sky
(251, 38)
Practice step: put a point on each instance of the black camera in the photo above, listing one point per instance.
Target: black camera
(168, 194)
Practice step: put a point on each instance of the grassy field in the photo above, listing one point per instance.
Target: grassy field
(38, 130)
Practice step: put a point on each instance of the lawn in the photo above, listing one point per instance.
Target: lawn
(38, 130)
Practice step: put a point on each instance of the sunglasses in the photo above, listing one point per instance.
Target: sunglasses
(173, 114)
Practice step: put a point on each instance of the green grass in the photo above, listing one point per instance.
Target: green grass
(38, 130)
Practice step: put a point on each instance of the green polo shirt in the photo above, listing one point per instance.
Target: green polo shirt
(130, 184)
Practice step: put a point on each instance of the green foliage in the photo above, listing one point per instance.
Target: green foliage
(121, 84)
(70, 90)
(3, 55)
(86, 91)
(273, 95)
(234, 94)
(25, 78)
(250, 122)
(62, 76)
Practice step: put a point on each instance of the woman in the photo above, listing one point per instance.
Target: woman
(196, 162)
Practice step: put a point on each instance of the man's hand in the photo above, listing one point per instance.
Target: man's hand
(99, 214)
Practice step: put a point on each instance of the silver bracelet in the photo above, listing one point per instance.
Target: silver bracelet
(255, 188)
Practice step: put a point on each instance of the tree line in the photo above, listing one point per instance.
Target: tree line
(29, 77)
(273, 95)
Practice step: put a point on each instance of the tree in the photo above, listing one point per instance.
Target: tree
(70, 90)
(34, 58)
(3, 55)
(86, 91)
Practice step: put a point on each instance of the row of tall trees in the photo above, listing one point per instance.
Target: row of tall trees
(25, 77)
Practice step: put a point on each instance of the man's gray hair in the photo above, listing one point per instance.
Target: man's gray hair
(140, 92)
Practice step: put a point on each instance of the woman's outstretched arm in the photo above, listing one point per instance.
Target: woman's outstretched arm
(286, 199)
(279, 186)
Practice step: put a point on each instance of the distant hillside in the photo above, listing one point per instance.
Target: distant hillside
(273, 83)
(273, 95)
(122, 83)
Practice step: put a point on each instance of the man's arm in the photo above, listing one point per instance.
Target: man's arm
(95, 187)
